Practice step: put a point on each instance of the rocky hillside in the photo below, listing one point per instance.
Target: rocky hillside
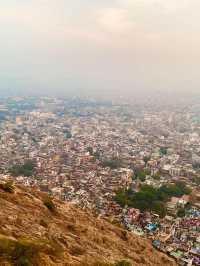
(34, 230)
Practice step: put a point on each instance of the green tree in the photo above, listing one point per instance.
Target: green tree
(196, 180)
(159, 208)
(149, 198)
(68, 134)
(156, 176)
(122, 197)
(163, 150)
(146, 159)
(25, 170)
(181, 212)
(140, 173)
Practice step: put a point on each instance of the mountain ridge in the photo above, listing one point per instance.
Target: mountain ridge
(36, 230)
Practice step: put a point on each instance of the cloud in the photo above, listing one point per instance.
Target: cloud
(115, 20)
(95, 43)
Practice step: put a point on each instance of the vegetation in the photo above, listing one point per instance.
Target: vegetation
(151, 199)
(26, 252)
(19, 253)
(22, 170)
(8, 186)
(118, 263)
(141, 174)
(177, 190)
(156, 176)
(123, 263)
(181, 212)
(163, 150)
(158, 207)
(68, 134)
(146, 159)
(196, 165)
(123, 197)
(196, 180)
(48, 202)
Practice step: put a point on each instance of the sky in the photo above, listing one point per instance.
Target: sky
(99, 47)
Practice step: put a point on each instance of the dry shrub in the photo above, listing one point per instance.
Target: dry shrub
(44, 223)
(20, 252)
(71, 227)
(76, 250)
(48, 202)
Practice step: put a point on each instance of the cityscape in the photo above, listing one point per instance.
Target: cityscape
(99, 133)
(136, 167)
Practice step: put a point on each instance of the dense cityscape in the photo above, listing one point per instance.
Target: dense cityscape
(133, 165)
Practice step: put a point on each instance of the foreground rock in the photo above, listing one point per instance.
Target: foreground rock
(34, 233)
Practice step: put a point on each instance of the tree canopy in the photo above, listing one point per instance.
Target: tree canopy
(25, 169)
(151, 199)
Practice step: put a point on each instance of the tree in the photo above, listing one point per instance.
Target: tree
(181, 212)
(159, 208)
(156, 176)
(196, 180)
(163, 150)
(139, 173)
(25, 170)
(149, 198)
(147, 171)
(146, 159)
(121, 197)
(68, 134)
(176, 190)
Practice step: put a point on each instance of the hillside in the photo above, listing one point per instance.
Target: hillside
(32, 234)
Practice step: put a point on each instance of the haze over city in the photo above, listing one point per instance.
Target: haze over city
(99, 133)
(95, 48)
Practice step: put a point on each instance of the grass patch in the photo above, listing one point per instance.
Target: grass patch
(123, 263)
(118, 263)
(77, 251)
(21, 252)
(26, 253)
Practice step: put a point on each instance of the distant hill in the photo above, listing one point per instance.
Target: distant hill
(34, 230)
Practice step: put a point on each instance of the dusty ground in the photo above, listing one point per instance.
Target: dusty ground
(70, 235)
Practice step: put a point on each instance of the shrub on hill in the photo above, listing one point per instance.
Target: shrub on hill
(19, 253)
(48, 202)
(8, 186)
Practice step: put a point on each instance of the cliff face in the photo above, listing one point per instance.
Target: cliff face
(33, 234)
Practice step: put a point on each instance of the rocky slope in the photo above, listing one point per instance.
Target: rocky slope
(32, 233)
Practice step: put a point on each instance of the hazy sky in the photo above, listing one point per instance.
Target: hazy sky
(100, 46)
